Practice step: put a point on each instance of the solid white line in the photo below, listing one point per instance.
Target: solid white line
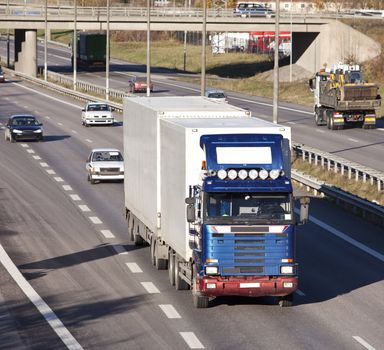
(95, 220)
(192, 341)
(60, 124)
(75, 197)
(67, 188)
(346, 238)
(119, 249)
(88, 140)
(169, 311)
(51, 172)
(353, 140)
(74, 131)
(84, 207)
(363, 342)
(30, 151)
(58, 179)
(24, 145)
(134, 267)
(150, 287)
(47, 117)
(107, 234)
(37, 157)
(40, 304)
(44, 165)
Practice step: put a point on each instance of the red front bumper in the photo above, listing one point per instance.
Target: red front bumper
(247, 286)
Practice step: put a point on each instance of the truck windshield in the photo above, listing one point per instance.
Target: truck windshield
(248, 208)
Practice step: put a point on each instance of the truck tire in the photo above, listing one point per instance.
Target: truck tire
(152, 252)
(199, 301)
(319, 112)
(180, 284)
(171, 267)
(286, 301)
(332, 124)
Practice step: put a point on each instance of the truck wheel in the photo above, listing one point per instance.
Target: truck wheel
(152, 252)
(286, 301)
(139, 241)
(161, 264)
(171, 267)
(199, 301)
(180, 284)
(319, 117)
(332, 124)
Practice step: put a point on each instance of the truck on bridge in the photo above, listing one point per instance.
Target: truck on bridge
(91, 48)
(342, 97)
(208, 188)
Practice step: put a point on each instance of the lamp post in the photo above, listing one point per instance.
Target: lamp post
(8, 36)
(74, 49)
(290, 54)
(203, 54)
(46, 41)
(107, 57)
(148, 48)
(276, 65)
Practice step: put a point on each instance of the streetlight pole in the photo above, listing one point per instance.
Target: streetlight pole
(148, 48)
(46, 41)
(107, 57)
(8, 36)
(276, 65)
(203, 54)
(290, 54)
(74, 49)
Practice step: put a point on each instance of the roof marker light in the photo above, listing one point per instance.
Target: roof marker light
(263, 174)
(274, 174)
(243, 174)
(232, 174)
(221, 174)
(253, 174)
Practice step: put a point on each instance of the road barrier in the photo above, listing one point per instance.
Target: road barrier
(369, 210)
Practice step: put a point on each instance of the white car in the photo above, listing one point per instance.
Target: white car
(216, 95)
(105, 164)
(97, 113)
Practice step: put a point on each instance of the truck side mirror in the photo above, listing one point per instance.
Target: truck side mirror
(311, 84)
(191, 215)
(304, 210)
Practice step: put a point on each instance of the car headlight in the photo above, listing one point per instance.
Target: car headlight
(38, 131)
(95, 169)
(286, 270)
(15, 131)
(211, 270)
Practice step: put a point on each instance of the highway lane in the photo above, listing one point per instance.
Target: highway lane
(102, 301)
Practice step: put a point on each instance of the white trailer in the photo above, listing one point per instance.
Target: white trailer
(163, 158)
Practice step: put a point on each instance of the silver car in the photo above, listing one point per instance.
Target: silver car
(216, 95)
(105, 164)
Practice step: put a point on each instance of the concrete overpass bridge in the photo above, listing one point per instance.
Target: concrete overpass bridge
(316, 41)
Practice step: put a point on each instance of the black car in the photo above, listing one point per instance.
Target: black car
(23, 127)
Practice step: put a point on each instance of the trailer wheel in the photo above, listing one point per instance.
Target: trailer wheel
(318, 117)
(332, 124)
(152, 251)
(286, 301)
(180, 284)
(171, 267)
(199, 301)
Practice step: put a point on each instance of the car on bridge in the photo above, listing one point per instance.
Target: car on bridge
(23, 127)
(253, 9)
(105, 164)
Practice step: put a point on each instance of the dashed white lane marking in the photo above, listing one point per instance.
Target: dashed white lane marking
(150, 287)
(36, 112)
(27, 107)
(58, 179)
(299, 292)
(37, 157)
(24, 145)
(353, 140)
(293, 123)
(169, 311)
(95, 220)
(40, 304)
(134, 268)
(192, 341)
(88, 140)
(74, 131)
(363, 342)
(84, 207)
(67, 188)
(51, 172)
(46, 117)
(7, 98)
(107, 234)
(75, 197)
(119, 249)
(44, 165)
(31, 151)
(60, 124)
(320, 131)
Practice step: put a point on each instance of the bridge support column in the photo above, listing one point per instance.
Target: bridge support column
(26, 51)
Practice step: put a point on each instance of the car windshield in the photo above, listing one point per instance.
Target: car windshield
(248, 208)
(24, 121)
(216, 95)
(107, 156)
(98, 107)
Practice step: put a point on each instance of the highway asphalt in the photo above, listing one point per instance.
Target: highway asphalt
(69, 239)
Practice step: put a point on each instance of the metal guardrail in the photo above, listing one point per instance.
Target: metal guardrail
(368, 209)
(337, 164)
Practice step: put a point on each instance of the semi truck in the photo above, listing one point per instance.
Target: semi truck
(208, 188)
(342, 97)
(91, 48)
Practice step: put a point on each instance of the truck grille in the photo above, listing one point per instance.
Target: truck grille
(248, 250)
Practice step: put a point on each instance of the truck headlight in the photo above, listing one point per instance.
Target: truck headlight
(274, 174)
(95, 169)
(253, 174)
(243, 174)
(286, 270)
(263, 174)
(221, 174)
(211, 270)
(15, 131)
(232, 174)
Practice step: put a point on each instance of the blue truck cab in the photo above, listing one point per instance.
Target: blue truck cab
(242, 222)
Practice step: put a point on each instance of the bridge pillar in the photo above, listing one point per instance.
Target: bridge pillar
(26, 51)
